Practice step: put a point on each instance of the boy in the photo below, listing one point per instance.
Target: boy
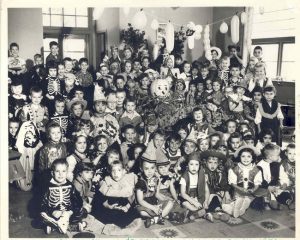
(84, 77)
(16, 65)
(112, 105)
(35, 111)
(16, 99)
(68, 63)
(235, 72)
(258, 52)
(54, 53)
(223, 71)
(173, 151)
(151, 126)
(129, 135)
(61, 201)
(269, 114)
(130, 116)
(121, 96)
(233, 55)
(136, 68)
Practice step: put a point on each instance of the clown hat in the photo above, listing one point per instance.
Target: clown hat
(161, 157)
(218, 50)
(99, 97)
(150, 153)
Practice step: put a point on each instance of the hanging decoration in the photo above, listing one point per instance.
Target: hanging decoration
(97, 13)
(154, 24)
(139, 20)
(235, 29)
(206, 42)
(198, 29)
(224, 28)
(126, 11)
(197, 35)
(243, 18)
(169, 37)
(155, 51)
(191, 41)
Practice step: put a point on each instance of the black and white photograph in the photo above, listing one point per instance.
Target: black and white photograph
(140, 121)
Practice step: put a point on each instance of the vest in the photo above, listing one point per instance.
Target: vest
(240, 179)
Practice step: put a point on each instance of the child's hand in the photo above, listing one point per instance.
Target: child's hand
(197, 204)
(56, 213)
(124, 209)
(205, 205)
(114, 206)
(272, 189)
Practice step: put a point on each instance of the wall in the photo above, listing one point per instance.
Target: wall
(109, 22)
(25, 28)
(223, 40)
(181, 15)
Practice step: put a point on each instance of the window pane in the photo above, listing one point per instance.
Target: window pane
(82, 11)
(288, 71)
(74, 55)
(46, 10)
(82, 22)
(270, 57)
(69, 11)
(69, 21)
(56, 10)
(46, 20)
(74, 45)
(57, 20)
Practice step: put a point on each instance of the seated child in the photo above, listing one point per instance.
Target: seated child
(134, 153)
(118, 193)
(245, 178)
(61, 202)
(173, 151)
(129, 135)
(16, 99)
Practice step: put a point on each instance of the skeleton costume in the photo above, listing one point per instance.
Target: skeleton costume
(62, 120)
(224, 76)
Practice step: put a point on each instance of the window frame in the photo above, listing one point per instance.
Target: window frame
(280, 41)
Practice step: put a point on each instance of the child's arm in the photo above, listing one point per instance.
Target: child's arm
(283, 178)
(173, 190)
(185, 196)
(108, 190)
(142, 202)
(207, 194)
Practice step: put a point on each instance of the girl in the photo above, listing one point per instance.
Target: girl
(203, 144)
(100, 147)
(190, 98)
(180, 87)
(168, 70)
(78, 155)
(208, 89)
(265, 137)
(190, 191)
(231, 127)
(186, 73)
(234, 142)
(150, 203)
(250, 69)
(127, 69)
(245, 178)
(259, 78)
(217, 94)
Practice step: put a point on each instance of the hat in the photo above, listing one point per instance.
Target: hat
(213, 153)
(13, 155)
(218, 50)
(180, 81)
(150, 153)
(111, 98)
(254, 149)
(191, 138)
(75, 101)
(151, 119)
(16, 82)
(194, 156)
(161, 157)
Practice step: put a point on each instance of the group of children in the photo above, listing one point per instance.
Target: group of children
(89, 147)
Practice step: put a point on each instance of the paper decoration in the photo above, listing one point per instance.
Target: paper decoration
(206, 29)
(169, 37)
(235, 29)
(191, 42)
(154, 24)
(224, 28)
(197, 35)
(139, 20)
(198, 29)
(155, 51)
(191, 26)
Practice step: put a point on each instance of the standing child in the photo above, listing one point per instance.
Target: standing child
(16, 99)
(230, 127)
(186, 74)
(245, 178)
(223, 71)
(54, 53)
(269, 114)
(61, 201)
(85, 79)
(13, 128)
(151, 126)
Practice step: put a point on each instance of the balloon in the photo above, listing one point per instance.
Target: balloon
(191, 25)
(126, 11)
(191, 41)
(97, 13)
(206, 29)
(154, 24)
(197, 36)
(155, 51)
(198, 28)
(261, 10)
(223, 27)
(243, 17)
(139, 20)
(169, 37)
(235, 29)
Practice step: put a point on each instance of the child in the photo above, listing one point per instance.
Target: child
(114, 55)
(208, 89)
(215, 115)
(53, 149)
(35, 111)
(235, 72)
(69, 66)
(134, 154)
(120, 82)
(100, 147)
(195, 70)
(168, 70)
(130, 116)
(173, 149)
(151, 126)
(203, 144)
(234, 142)
(250, 69)
(233, 55)
(217, 94)
(16, 65)
(186, 74)
(245, 178)
(129, 135)
(13, 127)
(16, 99)
(149, 202)
(265, 137)
(231, 127)
(204, 71)
(78, 155)
(121, 96)
(260, 78)
(60, 115)
(223, 71)
(258, 52)
(61, 201)
(200, 93)
(54, 53)
(112, 105)
(269, 115)
(85, 79)
(70, 82)
(118, 194)
(216, 185)
(190, 98)
(191, 192)
(83, 183)
(136, 68)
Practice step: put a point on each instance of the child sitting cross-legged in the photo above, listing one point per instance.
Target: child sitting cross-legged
(245, 178)
(118, 196)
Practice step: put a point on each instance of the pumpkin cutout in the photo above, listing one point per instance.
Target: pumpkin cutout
(235, 29)
(160, 88)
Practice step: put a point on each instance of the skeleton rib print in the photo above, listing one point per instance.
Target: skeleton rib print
(60, 197)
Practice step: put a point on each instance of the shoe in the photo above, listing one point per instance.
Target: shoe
(148, 222)
(48, 230)
(173, 216)
(224, 217)
(237, 206)
(209, 217)
(180, 217)
(201, 213)
(81, 226)
(161, 221)
(274, 205)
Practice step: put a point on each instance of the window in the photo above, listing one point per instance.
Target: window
(65, 17)
(274, 31)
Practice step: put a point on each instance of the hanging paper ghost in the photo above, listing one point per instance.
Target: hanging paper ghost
(155, 51)
(191, 41)
(169, 37)
(235, 29)
(198, 28)
(139, 20)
